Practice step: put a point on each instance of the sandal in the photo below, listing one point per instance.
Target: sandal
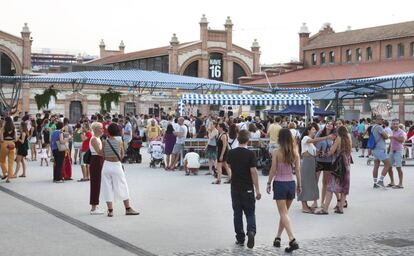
(227, 181)
(22, 176)
(321, 212)
(346, 204)
(398, 187)
(276, 242)
(110, 213)
(293, 245)
(338, 211)
(217, 182)
(390, 185)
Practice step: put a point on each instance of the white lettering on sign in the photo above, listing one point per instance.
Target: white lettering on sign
(215, 62)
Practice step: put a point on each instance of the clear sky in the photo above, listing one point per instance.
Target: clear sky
(79, 25)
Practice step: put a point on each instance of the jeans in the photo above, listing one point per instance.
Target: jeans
(243, 201)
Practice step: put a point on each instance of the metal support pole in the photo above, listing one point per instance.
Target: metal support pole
(337, 104)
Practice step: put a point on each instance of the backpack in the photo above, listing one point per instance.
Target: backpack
(371, 139)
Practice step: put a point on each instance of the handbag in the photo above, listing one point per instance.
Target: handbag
(11, 146)
(338, 168)
(62, 146)
(116, 153)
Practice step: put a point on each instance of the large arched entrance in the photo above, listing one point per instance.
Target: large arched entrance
(7, 67)
(238, 72)
(192, 69)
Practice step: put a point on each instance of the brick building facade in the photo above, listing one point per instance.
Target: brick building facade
(330, 56)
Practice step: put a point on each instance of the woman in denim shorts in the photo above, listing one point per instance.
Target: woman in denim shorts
(285, 161)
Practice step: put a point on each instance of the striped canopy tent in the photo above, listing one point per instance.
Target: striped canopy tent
(140, 79)
(245, 99)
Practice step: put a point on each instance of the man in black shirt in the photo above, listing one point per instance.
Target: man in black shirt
(244, 181)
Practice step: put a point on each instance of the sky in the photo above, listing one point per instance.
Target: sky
(78, 26)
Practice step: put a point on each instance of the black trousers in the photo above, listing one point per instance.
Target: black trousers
(243, 201)
(58, 157)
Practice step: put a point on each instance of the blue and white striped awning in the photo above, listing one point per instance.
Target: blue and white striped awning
(250, 99)
(129, 78)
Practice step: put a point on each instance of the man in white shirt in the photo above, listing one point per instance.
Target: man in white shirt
(181, 135)
(191, 163)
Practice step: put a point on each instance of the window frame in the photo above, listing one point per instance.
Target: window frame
(313, 59)
(400, 50)
(348, 56)
(388, 51)
(322, 56)
(368, 52)
(358, 55)
(331, 57)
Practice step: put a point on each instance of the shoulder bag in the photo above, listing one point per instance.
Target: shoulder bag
(116, 153)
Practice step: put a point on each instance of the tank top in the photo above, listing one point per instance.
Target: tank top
(91, 148)
(212, 141)
(284, 172)
(9, 135)
(108, 150)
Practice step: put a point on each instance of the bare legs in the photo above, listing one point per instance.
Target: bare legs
(20, 161)
(284, 222)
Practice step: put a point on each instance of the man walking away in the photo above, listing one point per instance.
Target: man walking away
(243, 185)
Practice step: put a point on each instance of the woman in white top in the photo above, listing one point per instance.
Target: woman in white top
(310, 191)
(233, 132)
(95, 167)
(254, 132)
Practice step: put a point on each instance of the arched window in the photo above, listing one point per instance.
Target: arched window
(313, 60)
(348, 55)
(369, 54)
(388, 51)
(238, 72)
(400, 50)
(75, 111)
(130, 107)
(331, 57)
(358, 55)
(322, 58)
(192, 69)
(7, 67)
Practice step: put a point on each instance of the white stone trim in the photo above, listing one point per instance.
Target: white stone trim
(16, 49)
(183, 57)
(248, 60)
(212, 44)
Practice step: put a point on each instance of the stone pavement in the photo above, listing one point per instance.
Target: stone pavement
(396, 243)
(186, 215)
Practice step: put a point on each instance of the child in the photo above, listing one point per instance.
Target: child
(43, 154)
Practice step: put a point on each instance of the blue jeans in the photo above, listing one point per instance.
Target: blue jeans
(243, 201)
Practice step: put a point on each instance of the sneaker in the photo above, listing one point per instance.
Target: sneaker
(97, 211)
(376, 186)
(380, 183)
(239, 243)
(293, 245)
(131, 211)
(250, 239)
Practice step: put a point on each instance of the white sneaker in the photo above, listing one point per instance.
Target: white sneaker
(97, 211)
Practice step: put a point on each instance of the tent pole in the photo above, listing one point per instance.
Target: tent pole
(337, 104)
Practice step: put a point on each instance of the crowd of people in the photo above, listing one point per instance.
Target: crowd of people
(323, 148)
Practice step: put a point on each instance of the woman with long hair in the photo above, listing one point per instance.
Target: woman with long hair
(222, 149)
(285, 162)
(254, 132)
(233, 132)
(33, 140)
(22, 145)
(211, 148)
(341, 147)
(202, 133)
(169, 140)
(8, 148)
(323, 161)
(58, 155)
(77, 142)
(310, 191)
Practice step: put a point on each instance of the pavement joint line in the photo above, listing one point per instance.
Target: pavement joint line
(79, 224)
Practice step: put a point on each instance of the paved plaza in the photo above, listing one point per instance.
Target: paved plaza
(186, 215)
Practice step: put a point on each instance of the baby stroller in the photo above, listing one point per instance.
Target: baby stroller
(133, 150)
(156, 150)
(265, 161)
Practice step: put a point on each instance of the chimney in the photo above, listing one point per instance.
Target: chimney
(102, 48)
(303, 41)
(326, 28)
(173, 55)
(228, 26)
(27, 49)
(203, 32)
(79, 59)
(122, 47)
(256, 56)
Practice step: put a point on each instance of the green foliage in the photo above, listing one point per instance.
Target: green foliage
(42, 100)
(107, 98)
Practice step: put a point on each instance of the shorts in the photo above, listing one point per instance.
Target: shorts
(178, 148)
(284, 190)
(77, 145)
(364, 143)
(396, 158)
(211, 152)
(323, 166)
(33, 140)
(380, 154)
(81, 158)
